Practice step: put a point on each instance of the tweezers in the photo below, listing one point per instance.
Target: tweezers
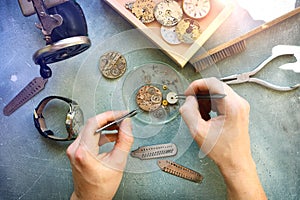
(200, 96)
(128, 115)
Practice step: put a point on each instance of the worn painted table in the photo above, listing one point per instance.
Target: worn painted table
(32, 167)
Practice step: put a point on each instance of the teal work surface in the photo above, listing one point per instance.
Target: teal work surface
(33, 167)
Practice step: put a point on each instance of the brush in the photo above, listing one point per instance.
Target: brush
(234, 46)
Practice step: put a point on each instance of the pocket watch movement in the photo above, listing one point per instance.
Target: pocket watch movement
(143, 10)
(168, 12)
(149, 98)
(112, 65)
(188, 30)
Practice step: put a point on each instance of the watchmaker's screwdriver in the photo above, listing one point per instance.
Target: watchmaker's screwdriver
(202, 96)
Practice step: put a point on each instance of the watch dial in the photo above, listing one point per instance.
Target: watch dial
(75, 120)
(196, 9)
(169, 35)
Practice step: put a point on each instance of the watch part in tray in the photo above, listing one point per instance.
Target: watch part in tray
(188, 30)
(168, 12)
(196, 9)
(143, 10)
(169, 35)
(149, 98)
(112, 65)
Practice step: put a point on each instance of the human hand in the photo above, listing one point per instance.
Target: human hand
(224, 138)
(98, 176)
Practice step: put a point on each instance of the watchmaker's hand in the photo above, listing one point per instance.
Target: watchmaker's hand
(224, 138)
(98, 176)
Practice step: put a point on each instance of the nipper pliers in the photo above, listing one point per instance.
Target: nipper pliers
(247, 76)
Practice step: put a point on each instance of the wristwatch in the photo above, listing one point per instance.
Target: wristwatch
(74, 120)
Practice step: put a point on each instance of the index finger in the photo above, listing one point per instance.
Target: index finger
(208, 85)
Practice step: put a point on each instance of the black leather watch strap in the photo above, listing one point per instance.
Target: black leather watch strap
(39, 120)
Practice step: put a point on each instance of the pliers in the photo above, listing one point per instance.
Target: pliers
(247, 76)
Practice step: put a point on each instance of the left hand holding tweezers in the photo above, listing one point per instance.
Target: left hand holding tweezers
(128, 115)
(247, 77)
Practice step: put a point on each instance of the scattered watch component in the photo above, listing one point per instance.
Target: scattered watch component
(29, 91)
(149, 98)
(112, 65)
(144, 10)
(188, 30)
(160, 113)
(172, 98)
(196, 9)
(179, 170)
(129, 5)
(169, 35)
(168, 12)
(155, 151)
(164, 102)
(74, 120)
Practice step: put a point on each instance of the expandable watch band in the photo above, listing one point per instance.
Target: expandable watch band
(179, 170)
(29, 91)
(155, 151)
(39, 120)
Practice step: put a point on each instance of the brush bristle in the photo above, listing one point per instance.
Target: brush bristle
(220, 55)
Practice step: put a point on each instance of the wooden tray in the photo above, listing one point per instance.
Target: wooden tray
(180, 53)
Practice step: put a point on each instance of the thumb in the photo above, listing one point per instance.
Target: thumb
(116, 159)
(191, 116)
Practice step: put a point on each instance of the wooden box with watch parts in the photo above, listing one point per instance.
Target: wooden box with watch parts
(178, 27)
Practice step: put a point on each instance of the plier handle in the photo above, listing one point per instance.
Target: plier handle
(247, 76)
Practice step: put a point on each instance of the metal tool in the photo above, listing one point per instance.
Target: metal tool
(179, 170)
(155, 151)
(277, 51)
(201, 96)
(128, 115)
